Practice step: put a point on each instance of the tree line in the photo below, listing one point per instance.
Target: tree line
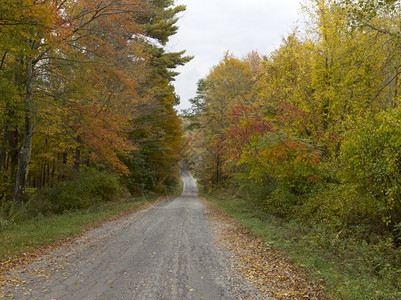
(310, 132)
(87, 84)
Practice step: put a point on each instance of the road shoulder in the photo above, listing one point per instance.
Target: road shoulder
(267, 268)
(29, 255)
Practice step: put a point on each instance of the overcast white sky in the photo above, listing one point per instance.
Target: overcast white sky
(209, 28)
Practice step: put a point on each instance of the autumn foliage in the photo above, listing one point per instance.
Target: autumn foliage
(309, 131)
(83, 85)
(246, 125)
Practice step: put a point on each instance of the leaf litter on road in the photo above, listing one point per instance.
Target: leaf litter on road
(267, 268)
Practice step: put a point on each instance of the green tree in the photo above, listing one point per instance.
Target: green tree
(156, 127)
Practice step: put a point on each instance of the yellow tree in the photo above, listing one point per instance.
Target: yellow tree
(229, 83)
(44, 33)
(347, 72)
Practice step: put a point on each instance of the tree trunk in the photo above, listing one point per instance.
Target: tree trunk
(65, 157)
(9, 147)
(25, 151)
(217, 169)
(13, 144)
(43, 175)
(77, 161)
(3, 149)
(47, 174)
(53, 173)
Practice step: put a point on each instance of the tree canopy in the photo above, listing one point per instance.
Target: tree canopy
(86, 83)
(309, 131)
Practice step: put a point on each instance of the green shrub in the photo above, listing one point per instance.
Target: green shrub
(5, 224)
(91, 186)
(347, 266)
(280, 170)
(103, 184)
(10, 214)
(341, 207)
(371, 158)
(281, 202)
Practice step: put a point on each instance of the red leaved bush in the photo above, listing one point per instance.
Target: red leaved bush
(246, 122)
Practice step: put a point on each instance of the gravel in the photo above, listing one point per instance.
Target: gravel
(166, 251)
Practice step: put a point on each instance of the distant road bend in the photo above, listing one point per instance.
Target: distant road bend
(166, 251)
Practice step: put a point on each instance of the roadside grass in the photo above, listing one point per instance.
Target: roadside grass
(29, 237)
(179, 188)
(345, 268)
(26, 238)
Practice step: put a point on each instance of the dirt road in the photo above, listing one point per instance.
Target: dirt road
(164, 252)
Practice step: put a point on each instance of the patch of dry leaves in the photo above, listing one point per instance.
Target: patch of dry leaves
(267, 268)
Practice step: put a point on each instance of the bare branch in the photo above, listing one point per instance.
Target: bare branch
(2, 60)
(381, 30)
(74, 60)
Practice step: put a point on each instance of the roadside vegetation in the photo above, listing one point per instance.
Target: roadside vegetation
(87, 115)
(27, 236)
(345, 268)
(54, 215)
(307, 140)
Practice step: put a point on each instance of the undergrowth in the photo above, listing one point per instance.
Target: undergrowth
(347, 267)
(64, 211)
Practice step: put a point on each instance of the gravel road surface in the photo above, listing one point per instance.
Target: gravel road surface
(166, 251)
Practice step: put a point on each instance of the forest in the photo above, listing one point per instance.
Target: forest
(86, 102)
(311, 133)
(308, 136)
